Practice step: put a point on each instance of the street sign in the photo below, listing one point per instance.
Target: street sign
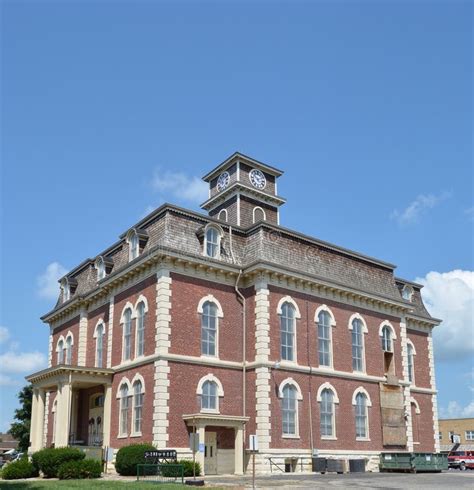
(194, 442)
(253, 443)
(161, 455)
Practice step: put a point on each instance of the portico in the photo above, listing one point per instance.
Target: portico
(67, 382)
(208, 458)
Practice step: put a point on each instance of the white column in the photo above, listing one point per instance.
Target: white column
(34, 421)
(107, 414)
(406, 389)
(82, 344)
(434, 398)
(201, 431)
(63, 414)
(40, 420)
(162, 344)
(110, 331)
(50, 349)
(239, 451)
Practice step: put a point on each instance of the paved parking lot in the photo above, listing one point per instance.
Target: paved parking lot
(452, 479)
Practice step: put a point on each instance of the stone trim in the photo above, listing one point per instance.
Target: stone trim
(82, 347)
(50, 349)
(110, 332)
(434, 399)
(46, 419)
(406, 389)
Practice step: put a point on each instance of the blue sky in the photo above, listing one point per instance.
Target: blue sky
(111, 108)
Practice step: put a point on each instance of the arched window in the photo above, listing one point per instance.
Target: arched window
(290, 410)
(387, 339)
(324, 339)
(69, 350)
(133, 244)
(60, 352)
(411, 362)
(209, 396)
(209, 329)
(66, 289)
(327, 413)
(140, 343)
(287, 332)
(357, 345)
(407, 292)
(137, 407)
(213, 240)
(100, 266)
(223, 215)
(127, 335)
(124, 409)
(361, 417)
(258, 214)
(99, 346)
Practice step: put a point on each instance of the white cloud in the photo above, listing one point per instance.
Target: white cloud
(413, 212)
(4, 335)
(181, 186)
(6, 380)
(455, 411)
(48, 286)
(450, 297)
(21, 362)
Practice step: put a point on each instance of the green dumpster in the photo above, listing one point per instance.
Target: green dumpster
(413, 462)
(429, 462)
(395, 462)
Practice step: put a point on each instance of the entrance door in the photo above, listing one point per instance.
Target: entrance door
(210, 454)
(96, 419)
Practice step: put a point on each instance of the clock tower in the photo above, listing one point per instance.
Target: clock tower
(243, 191)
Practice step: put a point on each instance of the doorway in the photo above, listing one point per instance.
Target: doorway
(210, 454)
(96, 420)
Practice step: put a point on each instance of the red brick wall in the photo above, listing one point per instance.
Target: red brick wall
(49, 436)
(148, 289)
(147, 371)
(73, 327)
(184, 380)
(425, 423)
(93, 318)
(422, 366)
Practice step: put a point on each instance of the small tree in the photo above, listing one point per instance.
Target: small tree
(20, 430)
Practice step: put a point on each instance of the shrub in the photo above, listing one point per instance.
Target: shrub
(19, 469)
(80, 469)
(49, 460)
(129, 456)
(187, 465)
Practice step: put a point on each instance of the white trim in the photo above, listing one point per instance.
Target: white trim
(220, 235)
(327, 386)
(123, 380)
(386, 323)
(138, 377)
(213, 379)
(362, 390)
(238, 209)
(261, 209)
(289, 299)
(327, 310)
(132, 233)
(132, 309)
(70, 335)
(417, 406)
(407, 287)
(98, 262)
(211, 299)
(61, 338)
(292, 382)
(412, 344)
(358, 316)
(99, 322)
(224, 211)
(140, 299)
(96, 337)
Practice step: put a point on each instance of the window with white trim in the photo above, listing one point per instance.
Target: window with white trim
(124, 409)
(133, 244)
(99, 346)
(411, 362)
(209, 329)
(469, 435)
(387, 344)
(259, 214)
(213, 240)
(223, 215)
(137, 406)
(327, 413)
(209, 396)
(289, 410)
(361, 416)
(140, 343)
(100, 266)
(407, 292)
(127, 335)
(324, 339)
(287, 332)
(60, 352)
(357, 345)
(69, 350)
(66, 289)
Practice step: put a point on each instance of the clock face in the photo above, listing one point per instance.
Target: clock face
(258, 179)
(223, 181)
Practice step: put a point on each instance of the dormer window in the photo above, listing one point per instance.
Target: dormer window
(407, 293)
(212, 242)
(100, 266)
(136, 239)
(66, 290)
(133, 246)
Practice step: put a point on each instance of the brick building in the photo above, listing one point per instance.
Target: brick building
(229, 324)
(464, 428)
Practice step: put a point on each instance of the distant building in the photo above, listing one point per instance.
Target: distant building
(230, 324)
(7, 443)
(464, 428)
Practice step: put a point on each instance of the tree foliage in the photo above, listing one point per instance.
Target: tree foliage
(20, 429)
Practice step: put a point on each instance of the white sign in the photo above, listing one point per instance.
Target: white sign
(388, 456)
(253, 443)
(194, 442)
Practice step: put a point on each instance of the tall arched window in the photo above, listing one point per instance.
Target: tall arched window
(124, 409)
(69, 350)
(259, 214)
(212, 242)
(209, 329)
(357, 345)
(127, 335)
(324, 339)
(100, 266)
(289, 411)
(361, 417)
(411, 362)
(327, 413)
(60, 352)
(287, 332)
(387, 339)
(133, 245)
(99, 346)
(137, 407)
(209, 397)
(140, 346)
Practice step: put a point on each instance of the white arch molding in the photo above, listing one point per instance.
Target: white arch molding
(128, 305)
(123, 381)
(358, 316)
(327, 310)
(291, 382)
(362, 390)
(138, 377)
(291, 301)
(211, 299)
(213, 379)
(386, 323)
(417, 406)
(141, 299)
(409, 342)
(223, 215)
(100, 322)
(254, 212)
(327, 386)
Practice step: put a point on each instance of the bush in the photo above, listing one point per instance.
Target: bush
(80, 469)
(129, 456)
(188, 467)
(19, 469)
(49, 460)
(173, 471)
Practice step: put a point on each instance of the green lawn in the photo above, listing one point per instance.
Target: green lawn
(89, 484)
